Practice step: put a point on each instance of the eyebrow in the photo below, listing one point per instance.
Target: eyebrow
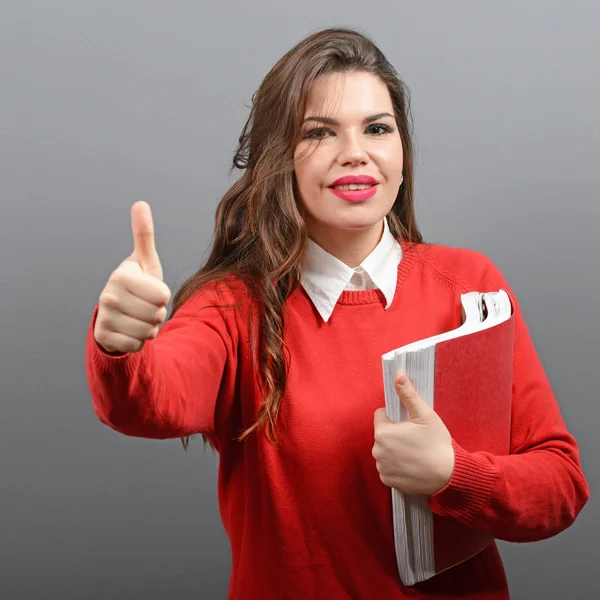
(330, 121)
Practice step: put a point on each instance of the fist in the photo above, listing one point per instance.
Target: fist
(134, 301)
(414, 456)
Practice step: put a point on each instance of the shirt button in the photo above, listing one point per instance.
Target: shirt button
(357, 278)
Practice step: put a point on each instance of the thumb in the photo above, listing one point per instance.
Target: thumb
(416, 406)
(144, 250)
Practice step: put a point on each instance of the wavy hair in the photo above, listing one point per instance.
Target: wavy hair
(260, 234)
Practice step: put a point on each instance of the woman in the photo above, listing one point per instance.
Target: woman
(273, 350)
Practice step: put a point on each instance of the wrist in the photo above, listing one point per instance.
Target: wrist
(469, 486)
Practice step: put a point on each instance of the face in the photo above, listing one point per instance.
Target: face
(348, 163)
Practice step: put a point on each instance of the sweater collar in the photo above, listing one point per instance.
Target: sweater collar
(325, 277)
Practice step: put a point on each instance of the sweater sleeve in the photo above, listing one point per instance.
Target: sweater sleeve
(172, 386)
(537, 490)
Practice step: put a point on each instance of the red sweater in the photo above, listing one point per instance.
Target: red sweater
(311, 519)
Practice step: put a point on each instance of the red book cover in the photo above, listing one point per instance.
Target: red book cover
(469, 385)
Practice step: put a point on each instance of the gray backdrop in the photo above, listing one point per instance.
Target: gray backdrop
(106, 103)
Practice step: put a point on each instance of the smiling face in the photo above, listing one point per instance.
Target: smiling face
(349, 136)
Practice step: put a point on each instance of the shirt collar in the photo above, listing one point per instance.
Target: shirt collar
(325, 277)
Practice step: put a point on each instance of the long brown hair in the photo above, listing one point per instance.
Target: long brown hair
(260, 234)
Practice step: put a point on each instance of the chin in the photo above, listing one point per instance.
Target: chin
(360, 226)
(357, 222)
(356, 218)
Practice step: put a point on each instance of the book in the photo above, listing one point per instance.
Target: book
(465, 375)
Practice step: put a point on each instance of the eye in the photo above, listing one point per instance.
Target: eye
(318, 134)
(379, 129)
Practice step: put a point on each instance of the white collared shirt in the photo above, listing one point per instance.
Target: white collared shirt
(325, 277)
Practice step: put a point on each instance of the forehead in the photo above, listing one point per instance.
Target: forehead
(348, 95)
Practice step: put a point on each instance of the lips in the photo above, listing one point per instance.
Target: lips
(354, 179)
(342, 188)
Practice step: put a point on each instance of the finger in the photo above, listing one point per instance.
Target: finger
(136, 308)
(144, 248)
(143, 286)
(416, 406)
(118, 342)
(117, 322)
(141, 310)
(380, 417)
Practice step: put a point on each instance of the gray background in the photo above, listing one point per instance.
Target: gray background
(105, 103)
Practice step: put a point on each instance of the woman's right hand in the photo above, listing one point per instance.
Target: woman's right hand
(134, 301)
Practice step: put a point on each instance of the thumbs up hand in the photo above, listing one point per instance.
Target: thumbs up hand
(134, 301)
(414, 456)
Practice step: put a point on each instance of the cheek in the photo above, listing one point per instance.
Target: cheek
(304, 184)
(309, 174)
(390, 160)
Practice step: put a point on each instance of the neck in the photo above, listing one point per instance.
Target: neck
(351, 247)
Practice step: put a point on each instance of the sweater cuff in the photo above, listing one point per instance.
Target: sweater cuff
(109, 363)
(468, 489)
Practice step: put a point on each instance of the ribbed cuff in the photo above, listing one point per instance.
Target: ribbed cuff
(468, 489)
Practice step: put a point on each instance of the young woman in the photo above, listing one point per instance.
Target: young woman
(273, 350)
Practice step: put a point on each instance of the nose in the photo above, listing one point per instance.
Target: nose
(352, 151)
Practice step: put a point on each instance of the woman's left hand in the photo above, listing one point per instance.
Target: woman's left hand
(414, 456)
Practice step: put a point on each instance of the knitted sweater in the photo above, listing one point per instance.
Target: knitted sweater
(310, 518)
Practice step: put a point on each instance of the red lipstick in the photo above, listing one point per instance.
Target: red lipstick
(355, 195)
(356, 179)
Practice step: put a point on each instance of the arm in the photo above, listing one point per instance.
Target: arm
(539, 489)
(171, 387)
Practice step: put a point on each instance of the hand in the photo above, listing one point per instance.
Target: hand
(134, 301)
(414, 456)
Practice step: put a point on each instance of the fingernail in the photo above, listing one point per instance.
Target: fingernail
(401, 379)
